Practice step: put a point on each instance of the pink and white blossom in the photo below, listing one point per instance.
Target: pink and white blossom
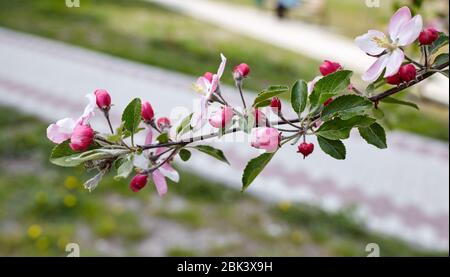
(403, 30)
(222, 118)
(206, 85)
(63, 129)
(266, 138)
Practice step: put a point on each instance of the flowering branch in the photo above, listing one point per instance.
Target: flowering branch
(328, 107)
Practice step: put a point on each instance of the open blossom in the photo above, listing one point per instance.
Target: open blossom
(206, 85)
(403, 30)
(265, 138)
(63, 129)
(222, 118)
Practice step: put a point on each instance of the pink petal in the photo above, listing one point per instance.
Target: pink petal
(410, 31)
(89, 109)
(160, 182)
(149, 136)
(199, 117)
(401, 17)
(367, 44)
(312, 84)
(168, 171)
(394, 62)
(376, 69)
(61, 131)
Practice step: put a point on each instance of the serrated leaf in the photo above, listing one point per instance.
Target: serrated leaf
(131, 116)
(330, 86)
(439, 43)
(254, 168)
(299, 96)
(213, 152)
(125, 168)
(392, 100)
(270, 92)
(340, 129)
(346, 106)
(334, 148)
(185, 155)
(374, 134)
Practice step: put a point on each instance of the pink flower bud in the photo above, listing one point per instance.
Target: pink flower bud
(222, 118)
(265, 138)
(138, 182)
(260, 118)
(243, 69)
(305, 149)
(407, 72)
(147, 112)
(329, 67)
(394, 79)
(428, 36)
(81, 138)
(208, 76)
(103, 99)
(275, 104)
(163, 123)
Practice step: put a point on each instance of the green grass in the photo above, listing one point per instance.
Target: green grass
(43, 207)
(153, 35)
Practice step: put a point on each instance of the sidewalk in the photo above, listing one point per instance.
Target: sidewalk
(312, 41)
(401, 191)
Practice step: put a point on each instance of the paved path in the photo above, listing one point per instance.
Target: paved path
(401, 191)
(309, 40)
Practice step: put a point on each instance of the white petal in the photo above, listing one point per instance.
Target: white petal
(394, 62)
(400, 18)
(168, 171)
(140, 161)
(410, 31)
(367, 44)
(222, 65)
(89, 109)
(376, 69)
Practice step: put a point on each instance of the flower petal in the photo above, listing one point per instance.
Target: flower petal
(410, 31)
(61, 130)
(199, 117)
(149, 136)
(394, 62)
(312, 84)
(168, 171)
(222, 66)
(160, 182)
(401, 17)
(367, 44)
(376, 69)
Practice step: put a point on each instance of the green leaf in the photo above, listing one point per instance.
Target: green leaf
(185, 155)
(185, 125)
(131, 116)
(270, 92)
(163, 138)
(374, 134)
(213, 152)
(330, 86)
(340, 129)
(392, 100)
(263, 104)
(125, 168)
(299, 96)
(346, 106)
(334, 148)
(254, 168)
(444, 72)
(439, 43)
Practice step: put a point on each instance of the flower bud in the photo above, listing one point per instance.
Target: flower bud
(329, 67)
(147, 112)
(407, 72)
(260, 118)
(103, 99)
(428, 36)
(265, 138)
(275, 104)
(222, 118)
(163, 123)
(81, 138)
(138, 182)
(305, 149)
(208, 76)
(394, 79)
(240, 72)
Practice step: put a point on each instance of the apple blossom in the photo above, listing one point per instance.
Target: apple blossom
(103, 99)
(265, 138)
(428, 36)
(260, 118)
(394, 79)
(138, 182)
(81, 138)
(222, 118)
(147, 112)
(275, 104)
(407, 72)
(163, 123)
(328, 67)
(305, 149)
(241, 71)
(403, 30)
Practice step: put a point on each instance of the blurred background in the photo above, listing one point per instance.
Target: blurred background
(51, 55)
